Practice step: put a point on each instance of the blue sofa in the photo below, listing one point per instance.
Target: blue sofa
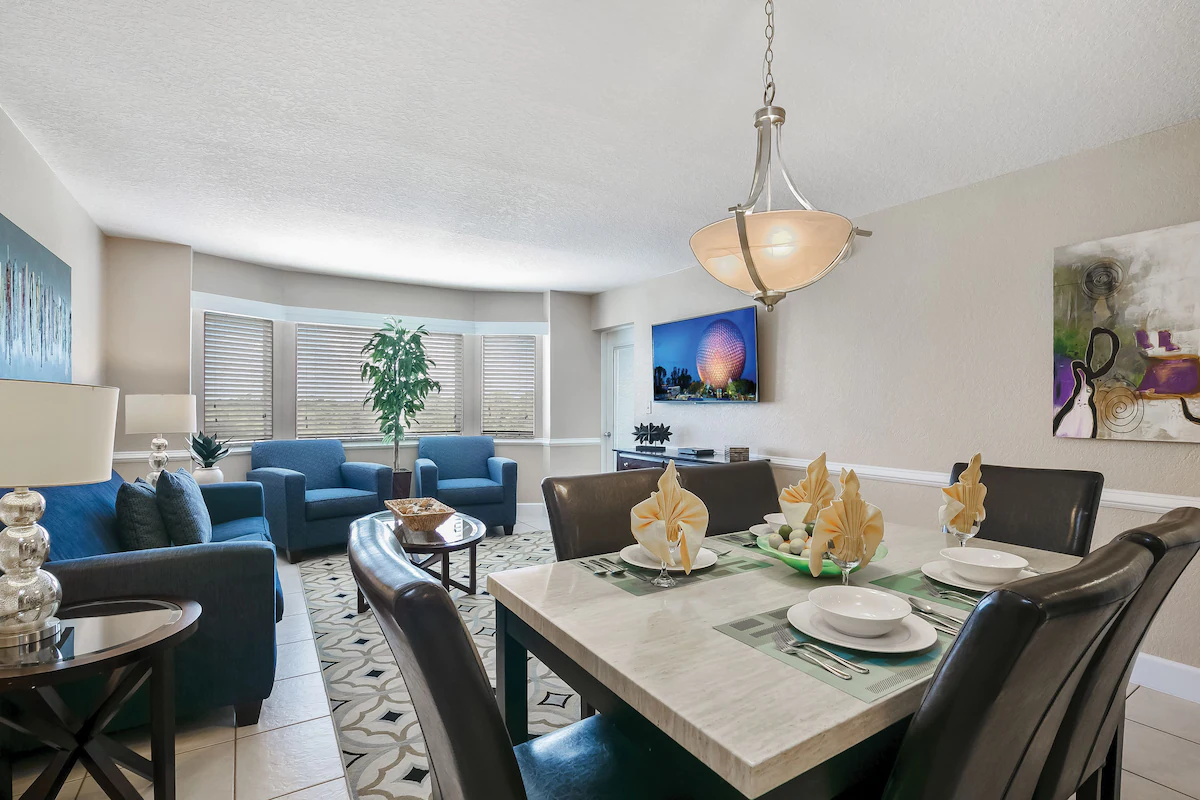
(230, 660)
(313, 494)
(465, 474)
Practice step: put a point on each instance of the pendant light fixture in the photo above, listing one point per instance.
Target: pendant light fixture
(768, 253)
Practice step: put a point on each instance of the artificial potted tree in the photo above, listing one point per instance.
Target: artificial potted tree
(206, 451)
(396, 371)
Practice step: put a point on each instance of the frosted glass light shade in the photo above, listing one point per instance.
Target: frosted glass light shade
(790, 249)
(160, 413)
(56, 434)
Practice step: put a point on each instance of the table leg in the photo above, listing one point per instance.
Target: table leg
(512, 665)
(446, 570)
(362, 603)
(473, 583)
(162, 725)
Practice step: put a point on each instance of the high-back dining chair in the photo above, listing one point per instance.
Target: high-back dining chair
(737, 495)
(994, 706)
(589, 514)
(1086, 756)
(470, 754)
(1050, 509)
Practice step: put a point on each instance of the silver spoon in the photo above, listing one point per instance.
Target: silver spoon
(929, 608)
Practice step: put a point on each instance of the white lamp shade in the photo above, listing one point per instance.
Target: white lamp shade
(791, 249)
(160, 413)
(56, 434)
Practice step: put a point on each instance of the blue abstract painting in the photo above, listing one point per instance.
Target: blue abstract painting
(35, 317)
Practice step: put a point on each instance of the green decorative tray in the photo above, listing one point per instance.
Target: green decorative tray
(800, 563)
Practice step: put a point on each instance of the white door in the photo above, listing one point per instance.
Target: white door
(618, 384)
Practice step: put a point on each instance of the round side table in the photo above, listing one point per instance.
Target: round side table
(460, 532)
(129, 642)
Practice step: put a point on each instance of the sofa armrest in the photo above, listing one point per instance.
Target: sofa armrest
(368, 477)
(425, 478)
(229, 501)
(283, 490)
(234, 582)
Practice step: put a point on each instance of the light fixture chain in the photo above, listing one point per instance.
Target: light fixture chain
(769, 55)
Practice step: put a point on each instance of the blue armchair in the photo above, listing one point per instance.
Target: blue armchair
(313, 494)
(464, 473)
(230, 660)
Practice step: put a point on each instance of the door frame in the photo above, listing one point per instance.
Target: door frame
(621, 336)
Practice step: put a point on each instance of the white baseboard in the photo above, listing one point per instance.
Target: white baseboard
(1168, 677)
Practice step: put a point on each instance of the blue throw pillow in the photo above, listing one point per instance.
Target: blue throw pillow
(182, 508)
(139, 525)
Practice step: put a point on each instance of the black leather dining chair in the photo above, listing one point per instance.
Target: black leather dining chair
(1050, 509)
(993, 708)
(589, 514)
(737, 495)
(470, 754)
(1086, 757)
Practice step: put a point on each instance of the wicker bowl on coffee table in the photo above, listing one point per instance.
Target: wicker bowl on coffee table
(420, 513)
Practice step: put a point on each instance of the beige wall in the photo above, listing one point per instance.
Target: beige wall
(35, 200)
(572, 386)
(148, 336)
(934, 340)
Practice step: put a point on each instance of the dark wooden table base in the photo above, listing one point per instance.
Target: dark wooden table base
(444, 576)
(42, 714)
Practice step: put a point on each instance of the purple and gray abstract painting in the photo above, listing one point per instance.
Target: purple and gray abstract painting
(1127, 337)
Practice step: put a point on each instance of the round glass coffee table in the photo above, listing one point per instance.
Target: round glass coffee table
(460, 532)
(129, 642)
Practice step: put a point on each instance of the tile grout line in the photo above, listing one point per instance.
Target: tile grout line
(1160, 730)
(1163, 785)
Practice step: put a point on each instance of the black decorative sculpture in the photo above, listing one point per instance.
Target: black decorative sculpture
(652, 434)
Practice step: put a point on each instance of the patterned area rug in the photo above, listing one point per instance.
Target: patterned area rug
(377, 727)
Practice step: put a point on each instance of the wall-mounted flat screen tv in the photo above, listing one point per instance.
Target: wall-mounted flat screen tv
(710, 359)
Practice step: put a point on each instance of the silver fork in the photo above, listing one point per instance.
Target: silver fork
(595, 566)
(949, 593)
(613, 567)
(784, 646)
(859, 668)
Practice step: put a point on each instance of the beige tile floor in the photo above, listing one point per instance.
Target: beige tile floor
(292, 753)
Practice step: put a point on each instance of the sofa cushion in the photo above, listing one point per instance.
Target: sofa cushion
(458, 456)
(329, 503)
(139, 524)
(81, 520)
(319, 459)
(238, 529)
(470, 492)
(182, 508)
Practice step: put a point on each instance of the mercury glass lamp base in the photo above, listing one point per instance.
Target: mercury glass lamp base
(158, 459)
(50, 629)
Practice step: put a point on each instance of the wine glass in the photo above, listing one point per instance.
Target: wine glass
(664, 579)
(963, 538)
(848, 554)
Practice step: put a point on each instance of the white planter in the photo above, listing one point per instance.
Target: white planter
(207, 475)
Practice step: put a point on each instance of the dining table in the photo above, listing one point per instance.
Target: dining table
(708, 703)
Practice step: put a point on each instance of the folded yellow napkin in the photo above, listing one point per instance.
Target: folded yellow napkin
(665, 516)
(964, 500)
(849, 517)
(801, 503)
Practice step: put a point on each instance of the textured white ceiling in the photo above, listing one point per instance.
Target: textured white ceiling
(555, 145)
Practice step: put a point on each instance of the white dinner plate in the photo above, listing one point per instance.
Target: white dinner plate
(641, 557)
(761, 529)
(941, 572)
(913, 635)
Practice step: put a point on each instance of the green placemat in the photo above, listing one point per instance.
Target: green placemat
(911, 583)
(888, 673)
(636, 581)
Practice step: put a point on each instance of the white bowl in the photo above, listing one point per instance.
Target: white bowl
(992, 567)
(776, 521)
(858, 611)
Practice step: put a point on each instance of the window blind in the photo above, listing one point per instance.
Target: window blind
(508, 386)
(329, 386)
(237, 377)
(443, 410)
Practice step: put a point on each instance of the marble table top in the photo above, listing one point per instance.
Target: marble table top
(660, 654)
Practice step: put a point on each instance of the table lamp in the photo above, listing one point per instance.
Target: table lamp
(159, 414)
(54, 434)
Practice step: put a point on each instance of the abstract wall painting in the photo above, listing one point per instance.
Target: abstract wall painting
(1127, 337)
(35, 315)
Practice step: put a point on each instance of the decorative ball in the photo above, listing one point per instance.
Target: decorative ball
(721, 354)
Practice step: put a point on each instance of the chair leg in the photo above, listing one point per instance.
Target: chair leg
(247, 713)
(586, 709)
(291, 559)
(1105, 783)
(508, 529)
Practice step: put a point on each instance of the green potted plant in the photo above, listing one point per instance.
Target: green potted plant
(396, 371)
(206, 451)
